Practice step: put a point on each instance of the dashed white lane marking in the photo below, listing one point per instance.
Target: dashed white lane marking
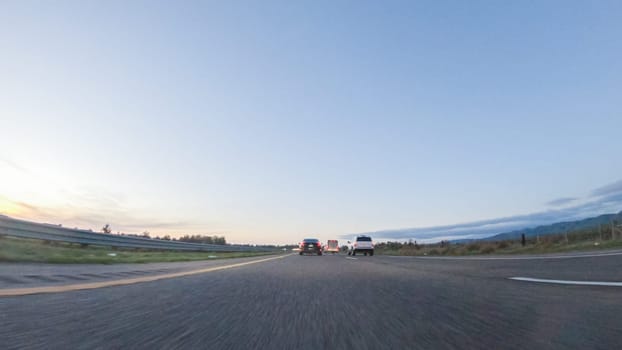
(576, 283)
(347, 257)
(509, 257)
(122, 282)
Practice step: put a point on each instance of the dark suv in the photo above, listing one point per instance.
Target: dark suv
(310, 245)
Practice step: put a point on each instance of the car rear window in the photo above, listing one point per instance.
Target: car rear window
(310, 240)
(363, 239)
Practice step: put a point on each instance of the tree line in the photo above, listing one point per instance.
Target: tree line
(202, 239)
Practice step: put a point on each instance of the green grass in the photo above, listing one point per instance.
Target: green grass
(561, 247)
(547, 245)
(26, 250)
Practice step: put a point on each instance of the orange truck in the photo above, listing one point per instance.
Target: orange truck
(332, 246)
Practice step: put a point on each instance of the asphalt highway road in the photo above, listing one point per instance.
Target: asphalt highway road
(36, 274)
(335, 302)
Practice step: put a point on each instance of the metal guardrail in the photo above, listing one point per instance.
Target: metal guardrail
(26, 229)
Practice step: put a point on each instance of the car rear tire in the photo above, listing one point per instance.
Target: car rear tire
(371, 253)
(354, 253)
(300, 253)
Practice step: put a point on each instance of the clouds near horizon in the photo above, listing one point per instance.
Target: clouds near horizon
(87, 213)
(602, 200)
(561, 201)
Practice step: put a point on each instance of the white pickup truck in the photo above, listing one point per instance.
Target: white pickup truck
(362, 244)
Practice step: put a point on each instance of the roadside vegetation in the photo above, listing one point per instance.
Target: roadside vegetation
(589, 239)
(27, 250)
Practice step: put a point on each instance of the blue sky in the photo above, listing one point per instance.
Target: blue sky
(269, 121)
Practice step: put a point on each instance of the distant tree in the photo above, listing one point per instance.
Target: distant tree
(166, 238)
(146, 234)
(106, 229)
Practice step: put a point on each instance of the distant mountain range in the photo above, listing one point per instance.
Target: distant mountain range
(556, 228)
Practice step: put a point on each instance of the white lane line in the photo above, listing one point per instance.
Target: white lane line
(122, 282)
(577, 283)
(509, 257)
(347, 257)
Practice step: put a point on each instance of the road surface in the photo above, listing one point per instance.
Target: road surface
(334, 302)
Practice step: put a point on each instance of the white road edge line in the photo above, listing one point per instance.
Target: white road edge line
(9, 292)
(576, 283)
(347, 257)
(509, 257)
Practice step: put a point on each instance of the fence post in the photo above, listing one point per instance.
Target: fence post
(566, 235)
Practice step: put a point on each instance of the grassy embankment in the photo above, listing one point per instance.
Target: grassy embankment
(583, 240)
(27, 250)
